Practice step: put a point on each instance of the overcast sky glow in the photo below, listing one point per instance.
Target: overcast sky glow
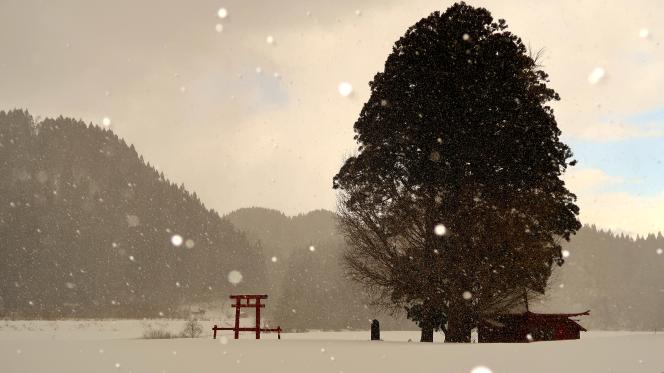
(247, 111)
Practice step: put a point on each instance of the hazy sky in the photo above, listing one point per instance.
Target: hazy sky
(206, 107)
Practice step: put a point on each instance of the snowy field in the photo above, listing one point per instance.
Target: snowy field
(117, 346)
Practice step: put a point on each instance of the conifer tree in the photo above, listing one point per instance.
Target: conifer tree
(453, 206)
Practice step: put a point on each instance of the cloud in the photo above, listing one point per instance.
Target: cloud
(583, 180)
(614, 131)
(623, 211)
(619, 211)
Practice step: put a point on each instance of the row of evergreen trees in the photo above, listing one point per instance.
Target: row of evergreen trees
(86, 228)
(617, 277)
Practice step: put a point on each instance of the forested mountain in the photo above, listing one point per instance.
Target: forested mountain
(88, 228)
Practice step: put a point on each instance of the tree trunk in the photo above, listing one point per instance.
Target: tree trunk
(459, 325)
(427, 333)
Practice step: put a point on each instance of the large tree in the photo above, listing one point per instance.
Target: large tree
(453, 205)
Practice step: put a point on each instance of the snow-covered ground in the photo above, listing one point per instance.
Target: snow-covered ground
(117, 346)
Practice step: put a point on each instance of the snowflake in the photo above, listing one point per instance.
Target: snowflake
(345, 89)
(234, 277)
(440, 230)
(596, 75)
(222, 13)
(176, 240)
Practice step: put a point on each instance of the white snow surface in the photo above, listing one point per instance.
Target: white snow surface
(117, 346)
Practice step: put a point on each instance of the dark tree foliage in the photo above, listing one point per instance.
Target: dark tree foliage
(86, 227)
(458, 132)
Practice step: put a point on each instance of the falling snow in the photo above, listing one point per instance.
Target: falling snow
(176, 240)
(345, 89)
(106, 121)
(234, 277)
(596, 75)
(222, 13)
(440, 230)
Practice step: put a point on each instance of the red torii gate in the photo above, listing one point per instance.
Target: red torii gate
(257, 305)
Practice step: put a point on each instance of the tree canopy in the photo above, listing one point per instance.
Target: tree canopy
(453, 205)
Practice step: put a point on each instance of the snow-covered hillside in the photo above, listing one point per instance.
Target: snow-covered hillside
(116, 346)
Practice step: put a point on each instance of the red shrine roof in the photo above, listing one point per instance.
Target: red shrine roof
(539, 318)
